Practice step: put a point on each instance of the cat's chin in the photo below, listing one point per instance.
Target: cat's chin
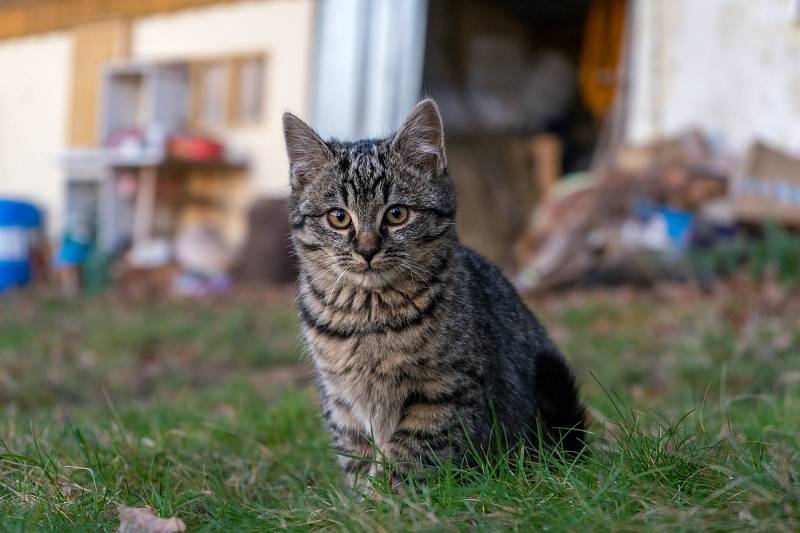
(374, 278)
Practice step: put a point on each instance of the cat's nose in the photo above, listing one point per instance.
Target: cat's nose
(367, 246)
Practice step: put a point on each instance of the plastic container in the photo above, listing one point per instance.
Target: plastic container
(680, 225)
(18, 223)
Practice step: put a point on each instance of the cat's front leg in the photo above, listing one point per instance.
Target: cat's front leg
(354, 451)
(356, 460)
(424, 437)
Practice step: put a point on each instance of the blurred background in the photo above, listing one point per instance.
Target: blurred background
(632, 165)
(644, 146)
(634, 145)
(140, 141)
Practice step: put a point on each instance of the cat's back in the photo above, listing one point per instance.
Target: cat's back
(495, 300)
(505, 336)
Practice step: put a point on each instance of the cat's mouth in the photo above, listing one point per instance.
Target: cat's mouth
(367, 267)
(381, 271)
(370, 270)
(376, 264)
(371, 275)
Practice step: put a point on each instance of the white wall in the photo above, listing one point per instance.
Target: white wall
(282, 29)
(731, 67)
(34, 96)
(35, 81)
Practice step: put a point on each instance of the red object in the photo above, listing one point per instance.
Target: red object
(195, 148)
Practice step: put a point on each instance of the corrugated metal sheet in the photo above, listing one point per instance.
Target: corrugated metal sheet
(369, 63)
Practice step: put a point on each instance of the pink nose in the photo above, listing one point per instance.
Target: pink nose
(367, 246)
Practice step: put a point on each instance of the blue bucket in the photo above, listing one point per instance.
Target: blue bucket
(18, 221)
(680, 225)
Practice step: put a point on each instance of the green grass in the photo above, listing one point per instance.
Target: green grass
(186, 407)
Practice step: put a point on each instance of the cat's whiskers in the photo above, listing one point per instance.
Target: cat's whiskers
(410, 265)
(426, 272)
(333, 287)
(417, 267)
(323, 271)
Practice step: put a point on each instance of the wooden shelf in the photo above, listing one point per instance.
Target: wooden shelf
(157, 159)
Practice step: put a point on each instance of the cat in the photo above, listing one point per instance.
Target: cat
(421, 347)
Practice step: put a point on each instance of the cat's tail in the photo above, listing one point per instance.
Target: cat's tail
(560, 407)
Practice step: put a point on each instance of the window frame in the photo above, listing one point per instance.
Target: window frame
(233, 86)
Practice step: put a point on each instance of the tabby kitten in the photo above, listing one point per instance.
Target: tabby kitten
(421, 347)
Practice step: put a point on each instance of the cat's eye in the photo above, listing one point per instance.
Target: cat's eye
(339, 218)
(396, 215)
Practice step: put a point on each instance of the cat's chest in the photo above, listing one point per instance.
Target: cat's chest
(371, 377)
(367, 347)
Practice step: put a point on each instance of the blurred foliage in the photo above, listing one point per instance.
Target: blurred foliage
(774, 251)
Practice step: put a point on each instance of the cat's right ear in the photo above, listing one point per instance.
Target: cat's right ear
(420, 140)
(308, 153)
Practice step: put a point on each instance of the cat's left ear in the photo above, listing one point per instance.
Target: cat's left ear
(420, 140)
(308, 153)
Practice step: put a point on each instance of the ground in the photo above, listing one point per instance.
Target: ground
(203, 410)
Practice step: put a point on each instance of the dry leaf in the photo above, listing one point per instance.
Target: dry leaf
(143, 520)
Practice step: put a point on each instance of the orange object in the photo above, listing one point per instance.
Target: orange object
(602, 50)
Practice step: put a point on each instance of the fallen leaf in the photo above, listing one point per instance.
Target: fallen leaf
(143, 520)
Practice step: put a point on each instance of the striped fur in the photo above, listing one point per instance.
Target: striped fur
(421, 355)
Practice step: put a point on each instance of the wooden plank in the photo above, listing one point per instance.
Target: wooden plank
(234, 91)
(545, 151)
(145, 205)
(19, 18)
(93, 45)
(195, 95)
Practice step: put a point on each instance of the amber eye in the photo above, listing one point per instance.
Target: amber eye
(339, 218)
(396, 215)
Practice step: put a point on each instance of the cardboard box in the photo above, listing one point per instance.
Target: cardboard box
(685, 150)
(768, 187)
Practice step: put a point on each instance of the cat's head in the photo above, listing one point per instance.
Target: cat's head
(372, 211)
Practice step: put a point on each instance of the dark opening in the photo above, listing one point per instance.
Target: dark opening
(507, 77)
